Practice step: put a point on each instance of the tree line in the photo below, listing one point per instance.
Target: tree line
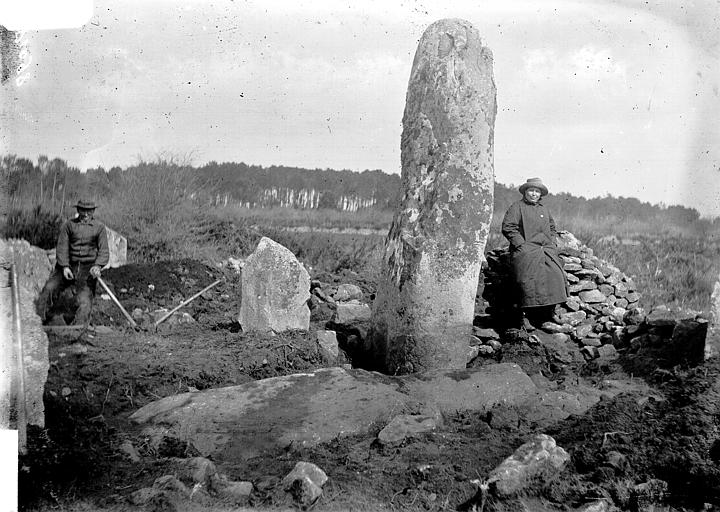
(54, 184)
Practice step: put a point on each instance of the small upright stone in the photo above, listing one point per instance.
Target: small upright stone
(424, 309)
(117, 245)
(275, 290)
(712, 339)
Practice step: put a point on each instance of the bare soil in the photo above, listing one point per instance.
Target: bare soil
(93, 387)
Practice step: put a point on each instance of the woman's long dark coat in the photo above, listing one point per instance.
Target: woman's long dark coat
(539, 272)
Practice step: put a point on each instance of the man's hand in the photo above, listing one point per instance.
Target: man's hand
(95, 271)
(67, 274)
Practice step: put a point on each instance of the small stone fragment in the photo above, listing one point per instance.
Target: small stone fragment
(495, 344)
(346, 292)
(197, 469)
(128, 449)
(539, 459)
(328, 343)
(305, 483)
(237, 492)
(346, 314)
(485, 350)
(486, 333)
(403, 426)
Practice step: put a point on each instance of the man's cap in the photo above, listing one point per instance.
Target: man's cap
(85, 204)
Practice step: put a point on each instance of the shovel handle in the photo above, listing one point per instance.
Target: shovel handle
(117, 302)
(186, 302)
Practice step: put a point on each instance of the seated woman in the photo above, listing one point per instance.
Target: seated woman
(539, 272)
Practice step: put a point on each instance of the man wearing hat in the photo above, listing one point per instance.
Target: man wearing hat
(82, 250)
(539, 272)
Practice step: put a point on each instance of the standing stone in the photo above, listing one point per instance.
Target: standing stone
(712, 339)
(33, 269)
(275, 290)
(423, 313)
(117, 244)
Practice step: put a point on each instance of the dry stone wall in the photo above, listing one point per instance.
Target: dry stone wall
(602, 315)
(423, 311)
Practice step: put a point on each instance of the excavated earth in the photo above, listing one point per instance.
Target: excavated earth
(659, 424)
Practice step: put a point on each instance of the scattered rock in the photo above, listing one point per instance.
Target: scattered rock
(494, 344)
(486, 333)
(197, 469)
(648, 495)
(537, 460)
(485, 350)
(327, 341)
(403, 426)
(348, 314)
(128, 449)
(236, 492)
(305, 483)
(346, 292)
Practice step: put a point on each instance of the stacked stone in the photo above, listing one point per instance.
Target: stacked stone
(601, 302)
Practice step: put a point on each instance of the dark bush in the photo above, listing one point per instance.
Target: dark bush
(36, 225)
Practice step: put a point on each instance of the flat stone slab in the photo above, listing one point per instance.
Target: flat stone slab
(470, 389)
(306, 409)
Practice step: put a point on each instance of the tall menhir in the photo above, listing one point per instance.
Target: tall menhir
(423, 312)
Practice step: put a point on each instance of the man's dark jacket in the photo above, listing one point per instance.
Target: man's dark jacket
(82, 242)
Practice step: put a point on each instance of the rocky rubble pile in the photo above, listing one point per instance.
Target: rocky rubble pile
(602, 301)
(196, 480)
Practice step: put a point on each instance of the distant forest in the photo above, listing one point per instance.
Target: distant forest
(52, 182)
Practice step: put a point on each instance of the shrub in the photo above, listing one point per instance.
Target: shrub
(36, 225)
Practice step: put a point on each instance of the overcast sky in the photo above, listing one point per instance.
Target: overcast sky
(600, 97)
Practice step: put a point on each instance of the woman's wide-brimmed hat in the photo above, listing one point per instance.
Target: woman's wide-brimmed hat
(534, 182)
(86, 205)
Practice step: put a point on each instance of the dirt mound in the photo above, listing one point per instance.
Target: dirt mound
(164, 285)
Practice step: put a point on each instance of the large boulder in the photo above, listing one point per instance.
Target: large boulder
(309, 408)
(275, 290)
(423, 312)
